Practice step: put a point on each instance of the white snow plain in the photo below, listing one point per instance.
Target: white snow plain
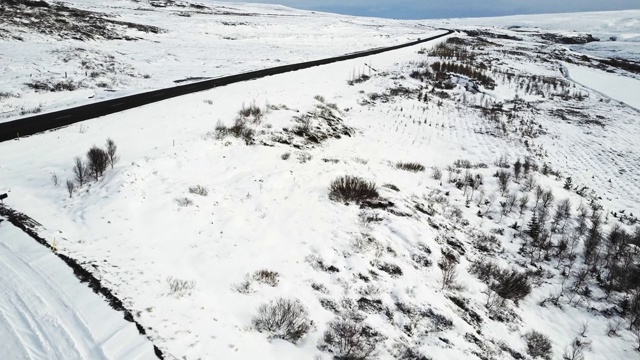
(46, 313)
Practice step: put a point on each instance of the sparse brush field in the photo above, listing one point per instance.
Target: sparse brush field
(467, 201)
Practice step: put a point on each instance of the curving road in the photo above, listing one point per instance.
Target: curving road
(43, 122)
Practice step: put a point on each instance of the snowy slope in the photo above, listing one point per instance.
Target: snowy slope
(45, 313)
(267, 207)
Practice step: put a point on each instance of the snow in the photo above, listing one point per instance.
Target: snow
(45, 313)
(265, 212)
(618, 32)
(223, 39)
(621, 88)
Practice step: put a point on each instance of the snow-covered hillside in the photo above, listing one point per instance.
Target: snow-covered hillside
(138, 45)
(498, 218)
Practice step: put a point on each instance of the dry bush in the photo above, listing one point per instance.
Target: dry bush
(240, 130)
(412, 166)
(352, 189)
(179, 287)
(538, 345)
(509, 284)
(184, 201)
(285, 319)
(268, 277)
(449, 273)
(70, 186)
(349, 339)
(198, 190)
(252, 111)
(55, 179)
(436, 173)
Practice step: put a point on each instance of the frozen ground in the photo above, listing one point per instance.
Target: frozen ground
(141, 230)
(45, 313)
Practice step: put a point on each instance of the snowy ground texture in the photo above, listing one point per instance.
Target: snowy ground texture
(195, 229)
(45, 313)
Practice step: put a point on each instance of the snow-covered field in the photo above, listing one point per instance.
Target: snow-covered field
(184, 224)
(45, 313)
(207, 41)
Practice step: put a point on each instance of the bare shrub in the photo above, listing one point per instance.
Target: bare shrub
(268, 277)
(285, 319)
(320, 98)
(221, 131)
(179, 287)
(97, 160)
(462, 164)
(70, 187)
(80, 171)
(436, 173)
(350, 339)
(352, 189)
(487, 243)
(55, 180)
(613, 328)
(244, 287)
(391, 187)
(412, 166)
(304, 157)
(303, 126)
(184, 201)
(538, 345)
(579, 345)
(239, 130)
(502, 162)
(449, 273)
(285, 156)
(198, 190)
(252, 111)
(112, 149)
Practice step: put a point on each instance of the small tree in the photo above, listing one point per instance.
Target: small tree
(517, 169)
(547, 199)
(522, 204)
(97, 161)
(55, 179)
(503, 180)
(449, 273)
(533, 229)
(111, 152)
(70, 186)
(80, 171)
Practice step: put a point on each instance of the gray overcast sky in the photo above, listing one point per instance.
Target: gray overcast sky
(428, 9)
